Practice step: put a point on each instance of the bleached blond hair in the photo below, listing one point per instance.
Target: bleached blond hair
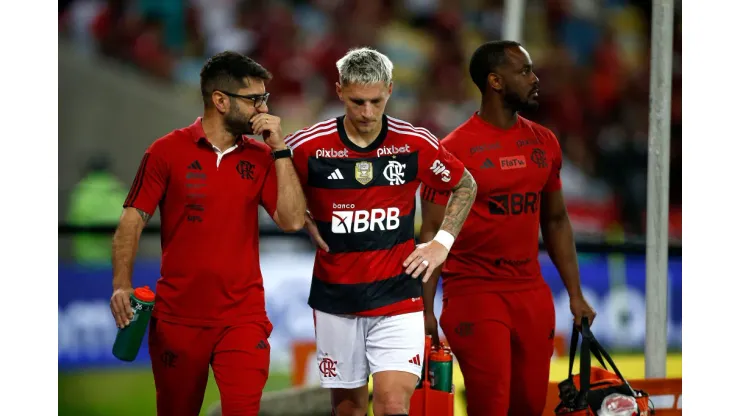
(364, 66)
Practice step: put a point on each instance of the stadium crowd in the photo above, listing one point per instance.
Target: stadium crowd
(592, 58)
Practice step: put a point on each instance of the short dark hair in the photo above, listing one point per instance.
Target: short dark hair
(486, 59)
(226, 71)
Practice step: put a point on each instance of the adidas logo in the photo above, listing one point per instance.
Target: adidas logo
(487, 164)
(261, 345)
(335, 175)
(195, 166)
(416, 360)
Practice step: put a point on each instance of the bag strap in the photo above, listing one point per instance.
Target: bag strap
(589, 343)
(585, 363)
(585, 370)
(574, 347)
(596, 345)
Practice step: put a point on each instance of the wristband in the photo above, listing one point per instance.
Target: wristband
(444, 238)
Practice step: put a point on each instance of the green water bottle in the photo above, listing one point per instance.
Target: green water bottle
(129, 338)
(440, 369)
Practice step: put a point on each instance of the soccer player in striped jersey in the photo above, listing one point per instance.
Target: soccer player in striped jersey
(360, 173)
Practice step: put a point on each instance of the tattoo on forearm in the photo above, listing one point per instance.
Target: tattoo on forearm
(144, 215)
(461, 201)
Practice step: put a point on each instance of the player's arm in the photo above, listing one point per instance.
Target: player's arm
(442, 172)
(458, 207)
(125, 246)
(291, 203)
(431, 255)
(146, 191)
(557, 234)
(289, 209)
(432, 215)
(300, 160)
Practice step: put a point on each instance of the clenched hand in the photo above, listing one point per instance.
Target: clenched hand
(269, 127)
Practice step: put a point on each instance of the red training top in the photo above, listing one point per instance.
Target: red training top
(363, 201)
(208, 202)
(497, 248)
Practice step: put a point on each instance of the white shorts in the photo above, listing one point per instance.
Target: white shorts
(350, 348)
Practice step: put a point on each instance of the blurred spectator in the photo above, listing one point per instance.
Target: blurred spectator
(172, 18)
(96, 200)
(148, 50)
(227, 24)
(112, 29)
(592, 58)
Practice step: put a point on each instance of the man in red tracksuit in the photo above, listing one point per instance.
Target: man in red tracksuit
(208, 180)
(498, 313)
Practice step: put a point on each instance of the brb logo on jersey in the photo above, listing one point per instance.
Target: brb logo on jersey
(440, 169)
(359, 221)
(394, 172)
(513, 204)
(332, 153)
(393, 150)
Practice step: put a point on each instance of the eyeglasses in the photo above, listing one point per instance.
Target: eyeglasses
(258, 99)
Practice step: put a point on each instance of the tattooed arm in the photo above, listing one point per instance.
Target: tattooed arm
(434, 252)
(461, 200)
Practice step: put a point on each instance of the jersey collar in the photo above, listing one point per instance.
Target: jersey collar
(481, 123)
(373, 146)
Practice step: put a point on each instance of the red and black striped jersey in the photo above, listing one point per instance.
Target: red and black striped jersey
(363, 201)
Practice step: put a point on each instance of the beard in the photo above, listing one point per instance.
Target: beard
(516, 103)
(237, 124)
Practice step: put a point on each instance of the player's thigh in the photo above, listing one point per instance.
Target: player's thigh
(482, 348)
(532, 348)
(392, 391)
(395, 353)
(396, 343)
(180, 356)
(241, 364)
(340, 351)
(349, 402)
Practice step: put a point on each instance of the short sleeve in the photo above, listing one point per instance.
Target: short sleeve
(556, 164)
(150, 182)
(268, 195)
(440, 169)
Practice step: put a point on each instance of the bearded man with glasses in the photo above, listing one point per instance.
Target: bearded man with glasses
(208, 180)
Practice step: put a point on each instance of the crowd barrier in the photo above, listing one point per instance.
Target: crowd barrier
(615, 286)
